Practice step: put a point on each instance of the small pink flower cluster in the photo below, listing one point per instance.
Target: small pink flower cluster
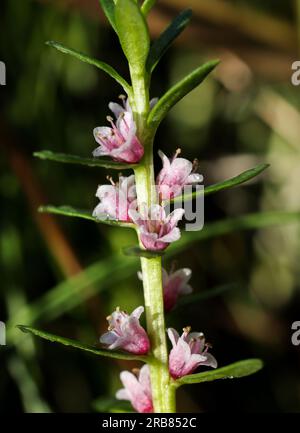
(188, 353)
(119, 201)
(125, 332)
(157, 230)
(119, 140)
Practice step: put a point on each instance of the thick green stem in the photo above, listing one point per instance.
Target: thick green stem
(163, 396)
(163, 393)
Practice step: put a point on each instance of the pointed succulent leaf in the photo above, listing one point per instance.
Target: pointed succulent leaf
(108, 7)
(232, 371)
(252, 221)
(74, 159)
(133, 34)
(86, 59)
(178, 91)
(77, 345)
(84, 214)
(160, 46)
(225, 184)
(147, 6)
(101, 275)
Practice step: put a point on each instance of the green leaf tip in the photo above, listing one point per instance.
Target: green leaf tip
(23, 329)
(81, 160)
(50, 43)
(225, 184)
(91, 61)
(179, 91)
(108, 7)
(133, 33)
(233, 371)
(147, 6)
(84, 214)
(164, 41)
(77, 345)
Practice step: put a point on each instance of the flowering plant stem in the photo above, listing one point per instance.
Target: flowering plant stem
(163, 393)
(129, 143)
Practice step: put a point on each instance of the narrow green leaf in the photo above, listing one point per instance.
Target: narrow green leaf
(139, 252)
(77, 213)
(74, 159)
(108, 272)
(207, 294)
(226, 184)
(177, 92)
(232, 371)
(133, 34)
(78, 345)
(147, 6)
(112, 405)
(72, 292)
(231, 225)
(236, 180)
(108, 7)
(160, 46)
(101, 65)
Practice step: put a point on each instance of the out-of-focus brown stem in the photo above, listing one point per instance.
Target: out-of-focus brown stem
(50, 230)
(54, 237)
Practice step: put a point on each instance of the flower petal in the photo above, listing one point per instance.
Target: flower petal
(122, 394)
(157, 213)
(210, 361)
(116, 108)
(101, 133)
(144, 379)
(100, 151)
(172, 236)
(173, 336)
(175, 216)
(186, 289)
(129, 381)
(194, 178)
(183, 275)
(137, 312)
(180, 170)
(153, 102)
(108, 338)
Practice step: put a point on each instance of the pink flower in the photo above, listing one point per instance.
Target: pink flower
(119, 141)
(189, 352)
(137, 389)
(125, 332)
(175, 174)
(175, 284)
(116, 199)
(156, 229)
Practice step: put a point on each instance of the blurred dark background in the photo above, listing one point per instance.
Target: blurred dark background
(246, 113)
